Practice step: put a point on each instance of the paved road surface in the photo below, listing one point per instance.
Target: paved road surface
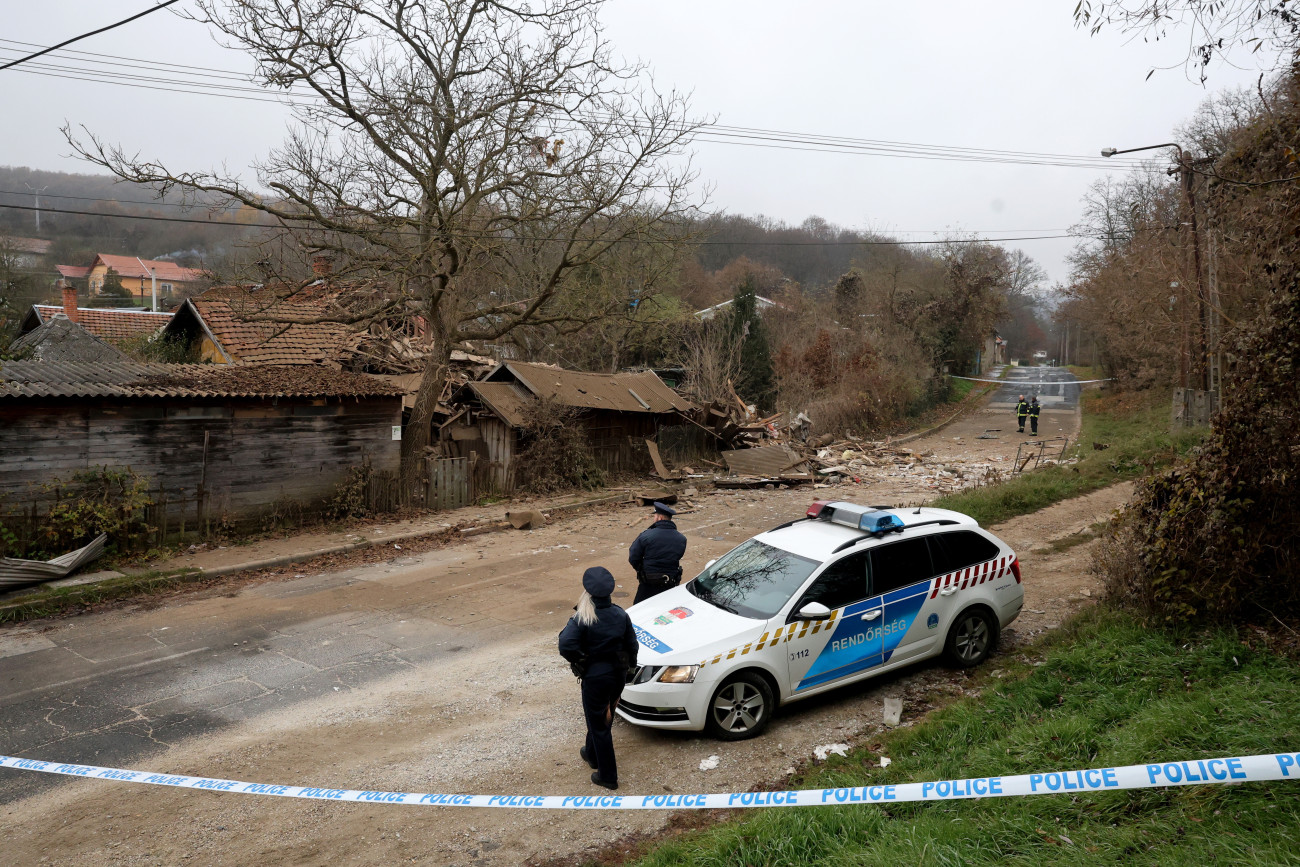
(1056, 392)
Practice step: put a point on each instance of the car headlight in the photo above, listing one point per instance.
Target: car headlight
(679, 674)
(645, 673)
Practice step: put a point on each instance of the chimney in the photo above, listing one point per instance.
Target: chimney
(322, 265)
(69, 298)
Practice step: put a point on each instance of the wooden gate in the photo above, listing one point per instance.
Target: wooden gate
(448, 483)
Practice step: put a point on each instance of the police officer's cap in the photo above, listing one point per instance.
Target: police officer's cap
(664, 509)
(597, 581)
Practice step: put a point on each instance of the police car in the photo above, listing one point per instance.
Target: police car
(846, 593)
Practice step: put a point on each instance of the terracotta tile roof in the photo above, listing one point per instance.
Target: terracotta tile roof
(133, 266)
(110, 323)
(73, 271)
(271, 331)
(40, 379)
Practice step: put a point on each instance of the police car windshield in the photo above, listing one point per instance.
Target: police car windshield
(753, 580)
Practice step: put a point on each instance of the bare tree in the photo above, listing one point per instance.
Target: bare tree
(1212, 28)
(476, 155)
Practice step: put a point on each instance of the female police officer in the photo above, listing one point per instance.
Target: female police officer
(600, 645)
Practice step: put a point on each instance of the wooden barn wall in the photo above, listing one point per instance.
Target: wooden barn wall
(258, 452)
(617, 439)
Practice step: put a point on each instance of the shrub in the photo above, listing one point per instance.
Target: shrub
(1216, 537)
(102, 500)
(555, 455)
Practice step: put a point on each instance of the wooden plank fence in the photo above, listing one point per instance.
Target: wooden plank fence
(448, 483)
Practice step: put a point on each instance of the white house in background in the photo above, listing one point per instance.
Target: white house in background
(760, 304)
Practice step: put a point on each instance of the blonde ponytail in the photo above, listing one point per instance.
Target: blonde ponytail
(586, 613)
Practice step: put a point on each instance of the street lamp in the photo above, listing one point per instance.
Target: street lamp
(1110, 152)
(1185, 172)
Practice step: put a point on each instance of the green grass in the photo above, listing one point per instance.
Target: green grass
(1104, 692)
(1133, 425)
(958, 389)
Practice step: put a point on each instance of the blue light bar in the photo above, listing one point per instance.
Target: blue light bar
(879, 523)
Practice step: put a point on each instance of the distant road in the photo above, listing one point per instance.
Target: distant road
(1061, 390)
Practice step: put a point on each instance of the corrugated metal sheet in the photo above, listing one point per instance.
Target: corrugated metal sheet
(16, 573)
(620, 392)
(765, 462)
(39, 379)
(508, 400)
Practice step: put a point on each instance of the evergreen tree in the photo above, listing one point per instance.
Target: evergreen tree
(756, 382)
(112, 293)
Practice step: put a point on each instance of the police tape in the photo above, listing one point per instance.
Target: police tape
(1028, 382)
(1239, 769)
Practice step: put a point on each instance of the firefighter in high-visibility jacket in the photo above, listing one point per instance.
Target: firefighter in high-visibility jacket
(1033, 415)
(1022, 412)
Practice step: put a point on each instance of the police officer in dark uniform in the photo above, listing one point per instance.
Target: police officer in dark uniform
(1022, 411)
(1033, 416)
(656, 555)
(600, 645)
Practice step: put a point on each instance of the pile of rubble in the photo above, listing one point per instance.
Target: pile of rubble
(854, 459)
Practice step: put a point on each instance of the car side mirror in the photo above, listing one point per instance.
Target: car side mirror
(710, 563)
(813, 611)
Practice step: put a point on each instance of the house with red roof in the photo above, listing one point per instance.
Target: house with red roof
(137, 275)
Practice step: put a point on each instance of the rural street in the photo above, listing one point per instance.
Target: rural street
(432, 672)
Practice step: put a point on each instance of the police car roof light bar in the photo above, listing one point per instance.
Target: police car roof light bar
(880, 523)
(816, 509)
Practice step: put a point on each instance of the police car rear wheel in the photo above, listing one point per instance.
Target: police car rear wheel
(740, 708)
(971, 638)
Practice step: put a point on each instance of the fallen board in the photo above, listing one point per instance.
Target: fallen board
(767, 461)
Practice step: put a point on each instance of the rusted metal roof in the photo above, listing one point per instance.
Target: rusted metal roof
(44, 379)
(510, 401)
(617, 392)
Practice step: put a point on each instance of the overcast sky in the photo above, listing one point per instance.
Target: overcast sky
(1003, 75)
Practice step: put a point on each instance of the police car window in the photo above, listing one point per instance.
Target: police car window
(953, 551)
(753, 580)
(841, 583)
(899, 564)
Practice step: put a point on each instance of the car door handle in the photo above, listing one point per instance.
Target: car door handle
(872, 614)
(947, 591)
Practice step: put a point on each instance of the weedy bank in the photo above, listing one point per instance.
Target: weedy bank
(1123, 436)
(1103, 691)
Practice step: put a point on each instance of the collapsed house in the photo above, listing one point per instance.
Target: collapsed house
(310, 326)
(617, 412)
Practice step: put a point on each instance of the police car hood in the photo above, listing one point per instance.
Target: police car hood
(677, 627)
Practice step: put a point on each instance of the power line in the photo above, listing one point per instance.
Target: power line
(861, 243)
(156, 203)
(34, 55)
(713, 133)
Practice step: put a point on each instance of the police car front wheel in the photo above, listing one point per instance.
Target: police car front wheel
(741, 707)
(971, 638)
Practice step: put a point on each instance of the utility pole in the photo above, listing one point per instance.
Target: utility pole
(1201, 366)
(37, 194)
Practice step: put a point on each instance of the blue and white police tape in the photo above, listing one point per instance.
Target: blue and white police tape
(1239, 769)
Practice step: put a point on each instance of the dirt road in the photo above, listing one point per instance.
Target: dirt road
(429, 673)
